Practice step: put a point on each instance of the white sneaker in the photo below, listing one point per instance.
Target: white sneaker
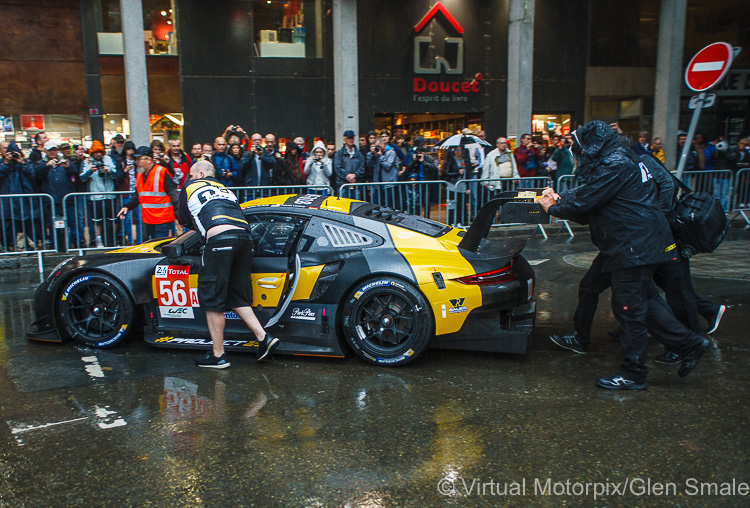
(99, 243)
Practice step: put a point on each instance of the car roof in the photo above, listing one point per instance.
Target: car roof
(354, 207)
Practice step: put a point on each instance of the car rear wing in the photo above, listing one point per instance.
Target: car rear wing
(516, 207)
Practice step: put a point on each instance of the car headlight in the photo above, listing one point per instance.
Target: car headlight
(56, 270)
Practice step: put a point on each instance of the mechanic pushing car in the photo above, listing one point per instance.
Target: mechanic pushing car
(618, 201)
(227, 257)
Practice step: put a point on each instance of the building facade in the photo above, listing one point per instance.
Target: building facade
(427, 67)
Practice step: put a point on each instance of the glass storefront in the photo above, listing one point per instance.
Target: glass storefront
(288, 29)
(433, 126)
(72, 129)
(159, 28)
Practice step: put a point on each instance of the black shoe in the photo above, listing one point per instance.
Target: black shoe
(692, 358)
(211, 362)
(617, 382)
(716, 319)
(568, 342)
(668, 358)
(266, 346)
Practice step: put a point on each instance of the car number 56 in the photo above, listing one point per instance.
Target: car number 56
(173, 292)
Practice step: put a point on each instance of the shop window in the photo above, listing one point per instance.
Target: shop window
(288, 29)
(61, 128)
(545, 126)
(628, 39)
(159, 29)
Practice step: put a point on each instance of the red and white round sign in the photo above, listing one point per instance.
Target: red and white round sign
(708, 66)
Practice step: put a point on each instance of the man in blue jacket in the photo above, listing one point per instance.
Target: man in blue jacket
(56, 176)
(226, 168)
(348, 163)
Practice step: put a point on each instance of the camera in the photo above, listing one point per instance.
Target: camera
(377, 149)
(15, 155)
(98, 165)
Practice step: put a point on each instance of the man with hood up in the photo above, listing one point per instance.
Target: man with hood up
(617, 199)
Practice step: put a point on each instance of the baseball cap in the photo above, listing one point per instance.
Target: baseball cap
(49, 145)
(349, 133)
(119, 137)
(143, 151)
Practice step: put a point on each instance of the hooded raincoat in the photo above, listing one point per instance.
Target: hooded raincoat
(618, 200)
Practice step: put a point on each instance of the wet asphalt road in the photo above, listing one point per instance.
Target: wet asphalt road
(141, 426)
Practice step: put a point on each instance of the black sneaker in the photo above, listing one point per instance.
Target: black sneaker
(266, 346)
(617, 382)
(692, 358)
(716, 318)
(668, 358)
(568, 342)
(211, 362)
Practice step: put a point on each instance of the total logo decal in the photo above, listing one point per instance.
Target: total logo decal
(303, 314)
(165, 271)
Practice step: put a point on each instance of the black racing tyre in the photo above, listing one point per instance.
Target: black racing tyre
(95, 309)
(386, 321)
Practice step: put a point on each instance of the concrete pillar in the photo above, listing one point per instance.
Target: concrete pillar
(136, 80)
(345, 73)
(520, 66)
(669, 75)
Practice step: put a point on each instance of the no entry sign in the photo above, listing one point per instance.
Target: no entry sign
(708, 66)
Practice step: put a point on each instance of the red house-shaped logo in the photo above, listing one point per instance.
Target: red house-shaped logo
(453, 64)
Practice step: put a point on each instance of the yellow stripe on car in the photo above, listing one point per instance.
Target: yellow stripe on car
(451, 305)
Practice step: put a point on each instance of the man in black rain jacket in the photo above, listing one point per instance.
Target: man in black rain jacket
(617, 199)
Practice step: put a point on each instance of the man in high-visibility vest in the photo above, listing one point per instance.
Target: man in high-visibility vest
(156, 193)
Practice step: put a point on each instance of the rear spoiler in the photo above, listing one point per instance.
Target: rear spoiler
(516, 207)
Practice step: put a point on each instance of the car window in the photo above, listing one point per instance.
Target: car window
(275, 235)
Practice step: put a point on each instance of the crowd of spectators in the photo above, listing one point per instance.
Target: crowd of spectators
(255, 160)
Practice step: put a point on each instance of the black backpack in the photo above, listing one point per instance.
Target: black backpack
(698, 222)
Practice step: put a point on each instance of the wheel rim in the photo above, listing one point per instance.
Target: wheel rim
(95, 310)
(385, 321)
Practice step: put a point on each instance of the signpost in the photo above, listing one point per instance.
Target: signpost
(705, 70)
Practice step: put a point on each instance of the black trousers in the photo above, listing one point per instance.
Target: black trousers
(591, 286)
(638, 309)
(685, 302)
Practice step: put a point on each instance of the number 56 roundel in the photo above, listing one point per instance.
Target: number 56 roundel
(176, 291)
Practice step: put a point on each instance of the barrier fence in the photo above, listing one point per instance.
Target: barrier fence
(36, 224)
(28, 225)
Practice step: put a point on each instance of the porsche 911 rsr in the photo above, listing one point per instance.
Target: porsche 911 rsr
(330, 275)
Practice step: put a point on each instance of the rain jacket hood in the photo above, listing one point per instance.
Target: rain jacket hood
(618, 200)
(322, 146)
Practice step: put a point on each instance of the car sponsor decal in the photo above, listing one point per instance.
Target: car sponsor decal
(457, 305)
(122, 330)
(176, 312)
(396, 359)
(376, 284)
(231, 315)
(305, 314)
(74, 284)
(169, 271)
(306, 200)
(176, 291)
(205, 342)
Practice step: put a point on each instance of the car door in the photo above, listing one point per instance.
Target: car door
(175, 286)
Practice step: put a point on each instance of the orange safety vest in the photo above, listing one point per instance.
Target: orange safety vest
(156, 206)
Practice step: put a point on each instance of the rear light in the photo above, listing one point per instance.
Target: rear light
(494, 277)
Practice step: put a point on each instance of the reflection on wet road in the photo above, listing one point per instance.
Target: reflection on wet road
(136, 426)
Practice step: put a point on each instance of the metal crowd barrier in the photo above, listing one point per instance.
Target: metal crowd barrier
(94, 214)
(741, 193)
(28, 225)
(566, 182)
(426, 199)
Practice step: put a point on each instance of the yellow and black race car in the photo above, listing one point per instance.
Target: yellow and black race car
(329, 275)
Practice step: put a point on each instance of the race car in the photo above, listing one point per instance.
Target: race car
(330, 275)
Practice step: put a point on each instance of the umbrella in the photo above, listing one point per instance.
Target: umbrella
(461, 140)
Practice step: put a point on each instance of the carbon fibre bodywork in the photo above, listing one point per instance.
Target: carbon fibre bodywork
(312, 255)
